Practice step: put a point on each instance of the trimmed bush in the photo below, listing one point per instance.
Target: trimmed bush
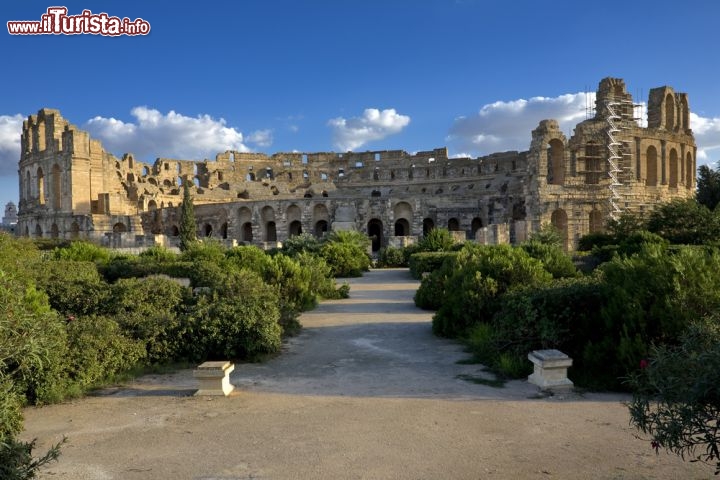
(424, 262)
(391, 257)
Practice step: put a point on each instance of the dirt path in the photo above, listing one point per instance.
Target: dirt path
(364, 392)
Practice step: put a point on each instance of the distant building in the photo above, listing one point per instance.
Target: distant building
(71, 187)
(10, 219)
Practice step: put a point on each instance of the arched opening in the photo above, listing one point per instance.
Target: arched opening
(593, 163)
(175, 231)
(559, 220)
(207, 230)
(673, 182)
(669, 112)
(250, 177)
(270, 232)
(119, 228)
(224, 231)
(152, 205)
(689, 172)
(596, 221)
(167, 183)
(402, 228)
(651, 166)
(246, 235)
(475, 225)
(38, 231)
(375, 193)
(56, 188)
(28, 187)
(54, 231)
(41, 186)
(295, 228)
(454, 225)
(556, 162)
(428, 225)
(321, 227)
(74, 231)
(375, 232)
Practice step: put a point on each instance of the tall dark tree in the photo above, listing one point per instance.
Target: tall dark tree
(188, 231)
(708, 186)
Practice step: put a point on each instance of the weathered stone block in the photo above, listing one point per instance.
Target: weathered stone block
(550, 370)
(214, 378)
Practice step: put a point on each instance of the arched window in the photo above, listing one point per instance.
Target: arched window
(428, 225)
(596, 222)
(375, 232)
(119, 228)
(651, 167)
(556, 162)
(689, 172)
(669, 112)
(475, 226)
(402, 228)
(454, 225)
(559, 220)
(270, 232)
(673, 182)
(41, 186)
(295, 228)
(56, 187)
(247, 233)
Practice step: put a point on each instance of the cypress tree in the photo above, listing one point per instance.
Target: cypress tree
(187, 219)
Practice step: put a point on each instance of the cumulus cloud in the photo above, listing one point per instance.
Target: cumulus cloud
(504, 126)
(154, 134)
(261, 138)
(374, 124)
(10, 131)
(707, 138)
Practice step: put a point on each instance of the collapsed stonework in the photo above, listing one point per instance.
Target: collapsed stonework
(70, 187)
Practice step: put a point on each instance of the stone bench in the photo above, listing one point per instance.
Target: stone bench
(214, 378)
(550, 370)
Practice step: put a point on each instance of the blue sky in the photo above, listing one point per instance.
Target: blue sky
(281, 75)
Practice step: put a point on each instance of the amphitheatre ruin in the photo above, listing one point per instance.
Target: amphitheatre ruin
(71, 187)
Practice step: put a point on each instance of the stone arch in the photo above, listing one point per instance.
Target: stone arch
(375, 232)
(267, 214)
(56, 181)
(669, 111)
(119, 227)
(41, 186)
(596, 221)
(294, 228)
(402, 227)
(556, 162)
(54, 231)
(673, 179)
(293, 213)
(246, 232)
(689, 173)
(224, 231)
(174, 231)
(152, 205)
(250, 177)
(475, 225)
(270, 232)
(38, 231)
(559, 220)
(320, 212)
(684, 113)
(74, 230)
(651, 166)
(28, 186)
(454, 225)
(321, 226)
(428, 225)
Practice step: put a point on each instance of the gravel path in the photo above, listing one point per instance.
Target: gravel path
(365, 391)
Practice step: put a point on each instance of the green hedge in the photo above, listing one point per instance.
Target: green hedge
(425, 262)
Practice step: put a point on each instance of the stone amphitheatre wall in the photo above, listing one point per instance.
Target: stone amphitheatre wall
(70, 187)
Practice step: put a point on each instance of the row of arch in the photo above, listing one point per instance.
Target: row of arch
(678, 170)
(39, 188)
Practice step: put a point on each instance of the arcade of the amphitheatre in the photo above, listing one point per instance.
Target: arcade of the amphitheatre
(71, 187)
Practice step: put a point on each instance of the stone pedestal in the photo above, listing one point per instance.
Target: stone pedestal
(214, 378)
(550, 372)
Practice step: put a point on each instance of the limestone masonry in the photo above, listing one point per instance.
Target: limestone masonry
(70, 187)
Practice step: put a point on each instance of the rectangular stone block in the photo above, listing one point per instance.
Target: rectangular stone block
(214, 378)
(550, 370)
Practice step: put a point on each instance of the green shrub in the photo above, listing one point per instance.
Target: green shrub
(151, 310)
(82, 252)
(237, 320)
(431, 292)
(98, 351)
(345, 259)
(73, 287)
(437, 240)
(481, 275)
(391, 257)
(553, 258)
(596, 239)
(303, 243)
(158, 254)
(547, 235)
(423, 262)
(207, 250)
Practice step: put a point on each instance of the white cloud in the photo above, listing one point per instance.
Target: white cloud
(10, 131)
(707, 138)
(504, 126)
(374, 124)
(261, 138)
(173, 135)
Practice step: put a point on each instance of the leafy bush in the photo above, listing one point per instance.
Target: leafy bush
(427, 262)
(98, 351)
(151, 311)
(73, 287)
(437, 240)
(346, 259)
(676, 392)
(430, 294)
(82, 252)
(390, 257)
(304, 242)
(238, 319)
(553, 258)
(547, 235)
(684, 222)
(158, 254)
(482, 274)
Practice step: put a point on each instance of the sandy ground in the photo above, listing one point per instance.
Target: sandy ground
(364, 392)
